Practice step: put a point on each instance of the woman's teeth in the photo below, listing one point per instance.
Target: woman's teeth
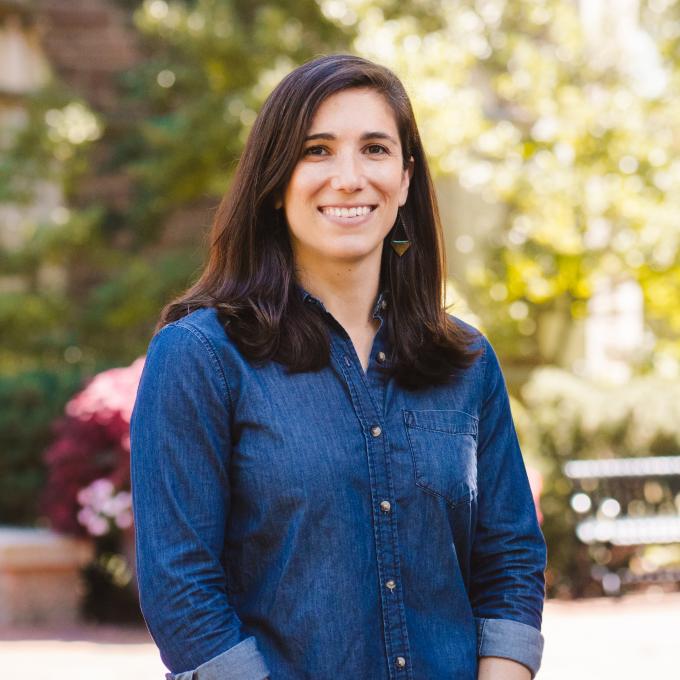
(347, 212)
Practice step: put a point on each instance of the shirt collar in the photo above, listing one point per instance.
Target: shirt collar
(378, 309)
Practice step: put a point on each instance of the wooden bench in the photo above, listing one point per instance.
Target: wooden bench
(624, 505)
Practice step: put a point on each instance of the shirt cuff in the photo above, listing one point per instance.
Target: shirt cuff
(510, 640)
(240, 662)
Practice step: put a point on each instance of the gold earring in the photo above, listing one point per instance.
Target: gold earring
(400, 246)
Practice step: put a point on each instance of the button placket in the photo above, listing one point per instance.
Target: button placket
(366, 396)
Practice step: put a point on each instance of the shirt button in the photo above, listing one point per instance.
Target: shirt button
(391, 584)
(347, 361)
(376, 431)
(380, 357)
(400, 661)
(385, 506)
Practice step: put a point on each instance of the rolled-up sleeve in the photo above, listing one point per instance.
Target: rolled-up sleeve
(507, 586)
(241, 661)
(180, 446)
(510, 640)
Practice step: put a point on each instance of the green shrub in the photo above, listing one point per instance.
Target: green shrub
(29, 403)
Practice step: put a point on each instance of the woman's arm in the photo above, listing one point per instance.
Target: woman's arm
(508, 550)
(180, 448)
(495, 668)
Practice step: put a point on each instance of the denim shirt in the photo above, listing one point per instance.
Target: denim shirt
(329, 524)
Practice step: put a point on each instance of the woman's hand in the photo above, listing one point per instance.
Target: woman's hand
(495, 668)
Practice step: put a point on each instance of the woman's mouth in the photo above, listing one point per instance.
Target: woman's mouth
(342, 211)
(347, 214)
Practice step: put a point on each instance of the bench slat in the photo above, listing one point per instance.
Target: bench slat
(630, 530)
(657, 466)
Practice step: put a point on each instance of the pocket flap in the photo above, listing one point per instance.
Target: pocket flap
(451, 422)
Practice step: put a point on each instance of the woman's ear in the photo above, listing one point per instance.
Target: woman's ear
(406, 180)
(278, 202)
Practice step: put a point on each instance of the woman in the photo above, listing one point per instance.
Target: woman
(326, 478)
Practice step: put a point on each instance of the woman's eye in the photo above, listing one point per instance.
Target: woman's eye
(314, 151)
(374, 149)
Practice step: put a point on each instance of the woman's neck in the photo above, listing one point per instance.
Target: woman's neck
(348, 291)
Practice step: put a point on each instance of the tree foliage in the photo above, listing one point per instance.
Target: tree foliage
(86, 280)
(514, 99)
(213, 63)
(579, 148)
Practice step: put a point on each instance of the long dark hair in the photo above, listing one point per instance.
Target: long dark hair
(250, 274)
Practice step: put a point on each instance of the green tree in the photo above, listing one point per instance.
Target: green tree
(578, 151)
(86, 281)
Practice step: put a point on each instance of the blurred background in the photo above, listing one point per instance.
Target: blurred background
(553, 130)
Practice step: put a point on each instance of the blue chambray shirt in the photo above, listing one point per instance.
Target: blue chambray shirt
(329, 524)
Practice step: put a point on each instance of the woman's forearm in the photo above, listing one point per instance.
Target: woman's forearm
(495, 668)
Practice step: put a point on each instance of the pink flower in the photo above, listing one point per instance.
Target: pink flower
(103, 507)
(94, 523)
(96, 494)
(88, 463)
(109, 393)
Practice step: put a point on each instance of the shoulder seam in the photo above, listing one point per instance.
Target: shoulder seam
(486, 346)
(210, 349)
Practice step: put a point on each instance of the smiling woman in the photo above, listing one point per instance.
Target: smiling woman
(326, 477)
(313, 136)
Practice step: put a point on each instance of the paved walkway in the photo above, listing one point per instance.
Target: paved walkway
(635, 638)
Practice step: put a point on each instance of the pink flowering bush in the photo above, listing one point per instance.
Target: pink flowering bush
(88, 484)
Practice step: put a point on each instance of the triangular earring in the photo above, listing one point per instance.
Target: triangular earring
(400, 246)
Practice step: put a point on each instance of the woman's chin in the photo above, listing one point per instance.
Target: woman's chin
(351, 252)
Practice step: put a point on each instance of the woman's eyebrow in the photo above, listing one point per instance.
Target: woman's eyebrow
(365, 136)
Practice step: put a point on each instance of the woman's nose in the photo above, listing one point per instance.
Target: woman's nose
(348, 174)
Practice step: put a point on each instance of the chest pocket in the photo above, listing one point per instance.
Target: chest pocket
(444, 449)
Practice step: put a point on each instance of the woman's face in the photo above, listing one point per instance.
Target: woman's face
(343, 195)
